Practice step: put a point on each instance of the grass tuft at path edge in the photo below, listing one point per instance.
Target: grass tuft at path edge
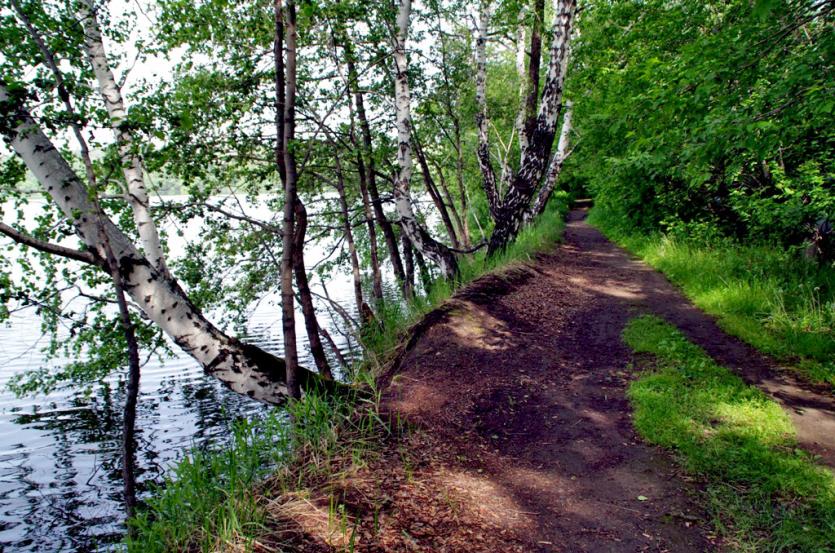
(777, 301)
(764, 493)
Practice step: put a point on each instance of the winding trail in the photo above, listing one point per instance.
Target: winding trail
(526, 441)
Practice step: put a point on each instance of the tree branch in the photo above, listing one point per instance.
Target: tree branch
(54, 249)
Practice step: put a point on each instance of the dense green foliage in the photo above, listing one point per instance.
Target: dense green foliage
(763, 492)
(780, 304)
(707, 118)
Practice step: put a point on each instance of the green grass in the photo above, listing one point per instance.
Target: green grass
(214, 499)
(777, 301)
(763, 492)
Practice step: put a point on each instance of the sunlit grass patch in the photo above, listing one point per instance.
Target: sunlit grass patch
(775, 300)
(764, 493)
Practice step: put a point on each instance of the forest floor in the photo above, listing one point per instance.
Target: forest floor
(520, 434)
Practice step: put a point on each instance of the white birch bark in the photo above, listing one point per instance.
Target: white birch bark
(516, 202)
(554, 168)
(482, 121)
(244, 369)
(437, 252)
(137, 192)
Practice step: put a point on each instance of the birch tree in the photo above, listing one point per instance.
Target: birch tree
(243, 368)
(509, 211)
(440, 254)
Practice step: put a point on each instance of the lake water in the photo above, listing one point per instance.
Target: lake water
(60, 454)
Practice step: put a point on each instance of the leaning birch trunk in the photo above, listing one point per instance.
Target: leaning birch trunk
(554, 169)
(420, 239)
(243, 368)
(137, 192)
(517, 200)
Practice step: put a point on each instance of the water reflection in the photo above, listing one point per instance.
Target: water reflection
(61, 484)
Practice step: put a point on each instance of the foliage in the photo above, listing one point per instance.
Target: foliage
(763, 492)
(775, 300)
(707, 116)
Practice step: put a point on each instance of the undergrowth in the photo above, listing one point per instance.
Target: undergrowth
(214, 500)
(774, 299)
(764, 493)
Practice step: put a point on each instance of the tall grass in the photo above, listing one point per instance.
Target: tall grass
(763, 492)
(776, 300)
(214, 498)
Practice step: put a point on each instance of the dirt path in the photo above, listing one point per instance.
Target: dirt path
(526, 441)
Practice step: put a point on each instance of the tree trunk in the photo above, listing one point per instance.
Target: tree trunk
(241, 367)
(521, 74)
(420, 239)
(517, 200)
(409, 265)
(137, 193)
(462, 187)
(532, 86)
(423, 270)
(554, 168)
(453, 111)
(450, 204)
(377, 282)
(132, 384)
(483, 151)
(432, 189)
(334, 348)
(288, 318)
(311, 324)
(368, 151)
(349, 235)
(131, 398)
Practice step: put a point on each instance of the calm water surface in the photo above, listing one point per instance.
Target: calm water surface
(60, 454)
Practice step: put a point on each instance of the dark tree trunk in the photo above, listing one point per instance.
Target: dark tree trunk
(368, 152)
(409, 264)
(432, 189)
(334, 348)
(451, 100)
(488, 174)
(450, 204)
(288, 318)
(305, 297)
(533, 68)
(349, 236)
